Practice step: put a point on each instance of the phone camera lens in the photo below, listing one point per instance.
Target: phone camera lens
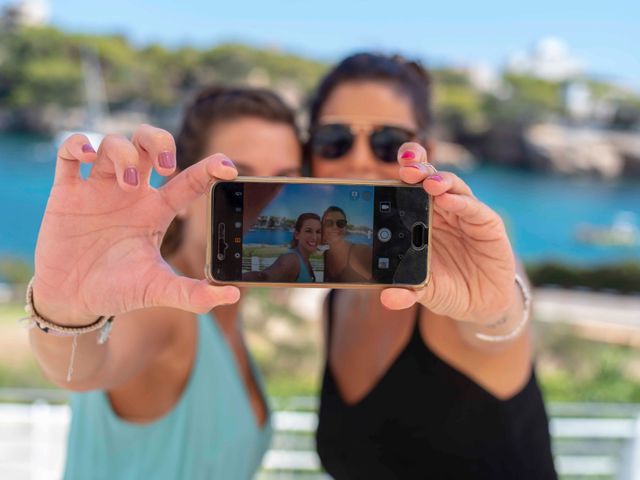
(419, 236)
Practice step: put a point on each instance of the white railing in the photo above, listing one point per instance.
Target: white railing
(33, 441)
(257, 264)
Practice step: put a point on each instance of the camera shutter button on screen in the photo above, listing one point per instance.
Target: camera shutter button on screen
(384, 235)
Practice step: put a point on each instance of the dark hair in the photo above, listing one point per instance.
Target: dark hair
(215, 105)
(409, 77)
(333, 208)
(299, 222)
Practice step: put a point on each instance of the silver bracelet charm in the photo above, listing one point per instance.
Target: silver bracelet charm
(526, 295)
(103, 324)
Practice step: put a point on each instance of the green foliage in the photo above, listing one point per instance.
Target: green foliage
(43, 66)
(623, 277)
(38, 66)
(284, 385)
(24, 375)
(524, 100)
(584, 370)
(520, 98)
(537, 94)
(15, 271)
(286, 346)
(18, 367)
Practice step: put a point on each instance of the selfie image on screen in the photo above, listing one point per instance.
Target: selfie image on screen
(307, 233)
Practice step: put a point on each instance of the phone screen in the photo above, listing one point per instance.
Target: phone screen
(319, 233)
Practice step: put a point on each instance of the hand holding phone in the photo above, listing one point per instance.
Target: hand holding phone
(98, 246)
(472, 262)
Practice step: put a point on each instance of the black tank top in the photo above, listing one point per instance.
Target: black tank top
(426, 420)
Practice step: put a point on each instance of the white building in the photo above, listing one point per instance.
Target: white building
(26, 13)
(549, 59)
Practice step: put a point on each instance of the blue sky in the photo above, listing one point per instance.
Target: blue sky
(603, 35)
(294, 200)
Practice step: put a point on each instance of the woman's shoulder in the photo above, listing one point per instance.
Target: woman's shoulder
(288, 262)
(290, 256)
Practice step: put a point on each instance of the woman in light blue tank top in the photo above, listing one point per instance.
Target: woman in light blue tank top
(171, 394)
(210, 433)
(295, 265)
(307, 233)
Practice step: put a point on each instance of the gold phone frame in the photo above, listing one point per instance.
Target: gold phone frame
(318, 181)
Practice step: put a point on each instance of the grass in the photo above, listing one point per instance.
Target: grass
(572, 369)
(284, 386)
(10, 313)
(18, 367)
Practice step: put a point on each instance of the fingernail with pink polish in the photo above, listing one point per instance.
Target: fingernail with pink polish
(408, 155)
(87, 148)
(131, 176)
(167, 159)
(435, 178)
(228, 163)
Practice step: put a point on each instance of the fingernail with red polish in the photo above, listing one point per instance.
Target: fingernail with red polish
(228, 163)
(167, 159)
(131, 176)
(87, 148)
(408, 154)
(435, 178)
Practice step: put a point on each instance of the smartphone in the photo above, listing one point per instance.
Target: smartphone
(317, 232)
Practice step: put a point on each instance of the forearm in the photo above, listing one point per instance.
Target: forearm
(53, 354)
(69, 361)
(499, 326)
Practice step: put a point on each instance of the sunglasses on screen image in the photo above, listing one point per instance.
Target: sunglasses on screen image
(341, 223)
(332, 141)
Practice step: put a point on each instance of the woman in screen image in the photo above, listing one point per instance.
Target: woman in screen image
(173, 393)
(344, 261)
(435, 382)
(295, 265)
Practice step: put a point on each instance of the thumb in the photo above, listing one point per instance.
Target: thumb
(198, 296)
(398, 298)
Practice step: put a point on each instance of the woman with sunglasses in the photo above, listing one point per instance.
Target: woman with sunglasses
(436, 382)
(344, 261)
(295, 265)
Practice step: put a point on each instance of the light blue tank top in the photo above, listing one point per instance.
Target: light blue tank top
(304, 275)
(211, 433)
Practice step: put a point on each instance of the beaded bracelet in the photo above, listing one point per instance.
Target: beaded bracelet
(520, 326)
(103, 324)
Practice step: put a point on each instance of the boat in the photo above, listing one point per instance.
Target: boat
(622, 232)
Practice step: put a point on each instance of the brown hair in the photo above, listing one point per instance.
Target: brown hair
(299, 223)
(212, 106)
(408, 77)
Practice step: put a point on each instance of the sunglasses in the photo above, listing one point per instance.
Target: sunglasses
(334, 140)
(341, 223)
